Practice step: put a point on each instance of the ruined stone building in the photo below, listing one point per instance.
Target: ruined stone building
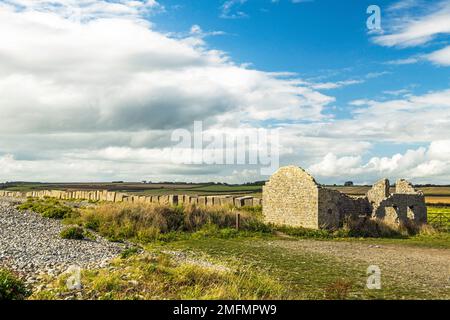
(405, 203)
(292, 197)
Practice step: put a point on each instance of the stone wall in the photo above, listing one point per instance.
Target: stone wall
(405, 204)
(291, 197)
(334, 207)
(104, 195)
(402, 207)
(378, 192)
(403, 186)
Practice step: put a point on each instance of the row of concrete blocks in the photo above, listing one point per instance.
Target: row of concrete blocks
(104, 195)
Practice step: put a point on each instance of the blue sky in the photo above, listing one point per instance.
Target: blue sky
(107, 83)
(316, 39)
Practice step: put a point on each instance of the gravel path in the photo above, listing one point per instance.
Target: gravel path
(31, 245)
(427, 268)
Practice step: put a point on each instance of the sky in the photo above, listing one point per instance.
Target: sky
(93, 90)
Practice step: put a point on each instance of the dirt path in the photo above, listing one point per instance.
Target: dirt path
(424, 268)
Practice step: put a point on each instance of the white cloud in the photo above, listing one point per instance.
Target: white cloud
(402, 4)
(230, 9)
(332, 166)
(301, 1)
(440, 57)
(90, 83)
(440, 150)
(94, 76)
(420, 165)
(423, 118)
(374, 75)
(83, 10)
(198, 32)
(406, 29)
(410, 31)
(410, 60)
(334, 85)
(344, 83)
(400, 92)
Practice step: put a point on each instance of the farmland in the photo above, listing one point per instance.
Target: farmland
(434, 195)
(139, 188)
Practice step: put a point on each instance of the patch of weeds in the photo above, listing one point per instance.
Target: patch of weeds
(74, 233)
(148, 235)
(129, 252)
(89, 235)
(47, 207)
(374, 228)
(256, 210)
(338, 290)
(213, 231)
(173, 236)
(306, 233)
(11, 287)
(92, 224)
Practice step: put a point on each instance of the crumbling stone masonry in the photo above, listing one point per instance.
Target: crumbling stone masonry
(292, 197)
(405, 204)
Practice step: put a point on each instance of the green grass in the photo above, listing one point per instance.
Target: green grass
(440, 240)
(305, 275)
(47, 207)
(129, 252)
(11, 287)
(74, 233)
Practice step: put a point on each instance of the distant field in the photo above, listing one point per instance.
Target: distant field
(127, 186)
(434, 195)
(438, 200)
(428, 191)
(147, 188)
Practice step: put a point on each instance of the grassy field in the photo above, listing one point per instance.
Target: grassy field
(303, 274)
